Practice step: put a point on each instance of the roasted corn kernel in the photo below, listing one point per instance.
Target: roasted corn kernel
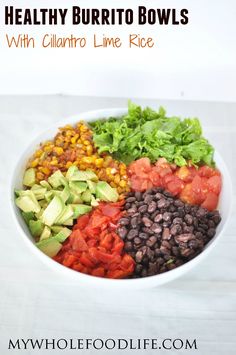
(74, 146)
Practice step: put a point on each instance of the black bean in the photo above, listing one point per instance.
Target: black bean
(124, 221)
(158, 196)
(156, 228)
(122, 231)
(148, 199)
(132, 234)
(131, 199)
(132, 210)
(128, 246)
(167, 216)
(178, 203)
(152, 207)
(188, 219)
(151, 241)
(211, 232)
(162, 203)
(158, 218)
(147, 222)
(137, 240)
(134, 222)
(176, 229)
(177, 220)
(143, 208)
(166, 234)
(127, 206)
(184, 238)
(139, 256)
(143, 235)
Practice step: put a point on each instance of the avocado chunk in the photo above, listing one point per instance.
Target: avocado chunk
(66, 214)
(92, 186)
(53, 211)
(78, 186)
(84, 176)
(36, 228)
(80, 210)
(49, 246)
(28, 203)
(71, 171)
(44, 183)
(28, 216)
(39, 192)
(57, 179)
(65, 194)
(86, 196)
(46, 233)
(29, 177)
(105, 192)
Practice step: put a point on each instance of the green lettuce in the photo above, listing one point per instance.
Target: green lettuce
(149, 133)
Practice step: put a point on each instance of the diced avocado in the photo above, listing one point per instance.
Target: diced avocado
(78, 187)
(67, 213)
(39, 193)
(71, 171)
(49, 246)
(80, 210)
(44, 183)
(56, 229)
(28, 216)
(46, 233)
(92, 186)
(56, 179)
(105, 192)
(43, 204)
(65, 194)
(29, 177)
(39, 214)
(49, 196)
(62, 235)
(27, 203)
(53, 211)
(74, 198)
(36, 228)
(84, 176)
(86, 196)
(68, 222)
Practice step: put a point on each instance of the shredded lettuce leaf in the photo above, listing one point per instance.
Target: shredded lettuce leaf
(149, 133)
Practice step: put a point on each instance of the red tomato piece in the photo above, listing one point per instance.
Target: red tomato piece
(211, 201)
(214, 183)
(206, 171)
(175, 186)
(154, 177)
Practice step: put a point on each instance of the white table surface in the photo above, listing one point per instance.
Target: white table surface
(37, 302)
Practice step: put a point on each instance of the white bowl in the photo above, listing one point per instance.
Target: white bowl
(16, 182)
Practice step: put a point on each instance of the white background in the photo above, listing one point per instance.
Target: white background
(196, 61)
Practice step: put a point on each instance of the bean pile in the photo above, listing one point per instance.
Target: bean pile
(161, 232)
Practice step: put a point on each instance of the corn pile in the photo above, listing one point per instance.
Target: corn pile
(74, 146)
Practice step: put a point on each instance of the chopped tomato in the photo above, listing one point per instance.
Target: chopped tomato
(187, 182)
(211, 201)
(206, 171)
(214, 183)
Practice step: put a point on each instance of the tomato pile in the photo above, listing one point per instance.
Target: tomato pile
(94, 248)
(197, 186)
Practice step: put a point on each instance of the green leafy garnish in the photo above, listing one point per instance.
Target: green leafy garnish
(149, 133)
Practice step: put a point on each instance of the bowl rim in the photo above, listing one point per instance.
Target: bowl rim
(150, 281)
